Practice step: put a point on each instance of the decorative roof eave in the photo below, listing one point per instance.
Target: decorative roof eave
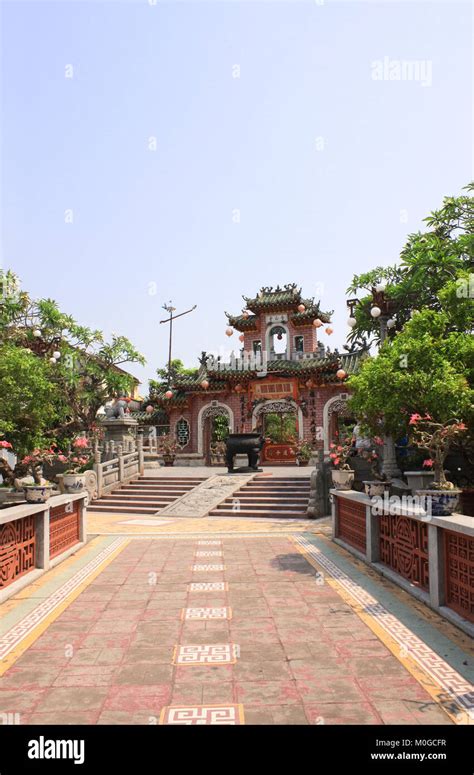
(241, 323)
(310, 314)
(276, 300)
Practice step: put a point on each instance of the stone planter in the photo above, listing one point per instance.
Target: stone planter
(342, 480)
(419, 480)
(38, 493)
(168, 460)
(439, 503)
(376, 488)
(6, 493)
(302, 462)
(74, 483)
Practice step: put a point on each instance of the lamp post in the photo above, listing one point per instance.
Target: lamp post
(169, 308)
(381, 310)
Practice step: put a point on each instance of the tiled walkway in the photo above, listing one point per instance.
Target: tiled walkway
(217, 628)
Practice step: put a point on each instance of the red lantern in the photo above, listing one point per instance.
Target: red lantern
(317, 323)
(169, 394)
(301, 307)
(150, 409)
(340, 374)
(229, 332)
(241, 338)
(245, 315)
(309, 383)
(205, 384)
(329, 330)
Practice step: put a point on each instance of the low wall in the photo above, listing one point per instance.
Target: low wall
(430, 557)
(36, 537)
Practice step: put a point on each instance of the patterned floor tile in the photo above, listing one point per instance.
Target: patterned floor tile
(190, 614)
(206, 654)
(207, 567)
(216, 715)
(208, 586)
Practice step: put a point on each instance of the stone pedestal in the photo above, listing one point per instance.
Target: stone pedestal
(120, 430)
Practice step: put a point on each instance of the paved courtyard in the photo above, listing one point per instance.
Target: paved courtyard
(226, 621)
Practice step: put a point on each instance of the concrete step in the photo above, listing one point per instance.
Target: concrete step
(267, 507)
(128, 509)
(170, 480)
(245, 498)
(118, 498)
(152, 490)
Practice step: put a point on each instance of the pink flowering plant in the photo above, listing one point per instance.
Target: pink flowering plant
(78, 456)
(340, 453)
(436, 439)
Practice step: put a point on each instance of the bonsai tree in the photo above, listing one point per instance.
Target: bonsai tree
(340, 453)
(437, 439)
(303, 451)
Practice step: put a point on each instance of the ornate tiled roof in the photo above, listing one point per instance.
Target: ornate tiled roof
(278, 299)
(241, 323)
(311, 312)
(275, 299)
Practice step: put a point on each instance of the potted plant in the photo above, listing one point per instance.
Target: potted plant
(167, 447)
(35, 487)
(377, 486)
(303, 451)
(437, 439)
(74, 478)
(341, 472)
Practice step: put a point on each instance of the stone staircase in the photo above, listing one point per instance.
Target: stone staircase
(145, 495)
(267, 496)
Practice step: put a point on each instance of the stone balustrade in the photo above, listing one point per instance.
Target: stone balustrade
(37, 536)
(430, 557)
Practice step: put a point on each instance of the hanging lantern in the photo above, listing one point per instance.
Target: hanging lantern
(169, 394)
(150, 409)
(301, 307)
(391, 322)
(309, 383)
(380, 287)
(205, 384)
(340, 374)
(241, 338)
(375, 312)
(245, 314)
(238, 388)
(36, 332)
(52, 360)
(229, 331)
(57, 355)
(351, 322)
(280, 336)
(329, 330)
(317, 323)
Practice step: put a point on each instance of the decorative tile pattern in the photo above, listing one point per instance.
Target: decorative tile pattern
(208, 586)
(191, 614)
(207, 567)
(209, 543)
(16, 634)
(458, 694)
(228, 715)
(208, 554)
(215, 654)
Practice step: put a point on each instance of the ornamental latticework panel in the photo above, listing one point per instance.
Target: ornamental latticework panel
(17, 549)
(351, 524)
(404, 548)
(459, 570)
(63, 528)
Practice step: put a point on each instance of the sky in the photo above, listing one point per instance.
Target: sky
(157, 150)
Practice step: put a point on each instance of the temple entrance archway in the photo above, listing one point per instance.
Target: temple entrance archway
(281, 422)
(215, 422)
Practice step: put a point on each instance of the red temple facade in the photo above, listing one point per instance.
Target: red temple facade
(282, 380)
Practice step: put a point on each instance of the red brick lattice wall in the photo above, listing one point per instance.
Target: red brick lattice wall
(459, 573)
(404, 548)
(63, 528)
(351, 523)
(17, 549)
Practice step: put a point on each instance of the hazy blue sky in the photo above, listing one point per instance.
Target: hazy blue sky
(329, 166)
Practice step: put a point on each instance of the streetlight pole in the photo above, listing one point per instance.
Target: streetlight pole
(169, 308)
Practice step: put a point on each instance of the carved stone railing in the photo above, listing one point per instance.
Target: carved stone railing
(37, 536)
(430, 557)
(123, 466)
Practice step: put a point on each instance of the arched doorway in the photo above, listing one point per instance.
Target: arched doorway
(215, 422)
(282, 423)
(338, 420)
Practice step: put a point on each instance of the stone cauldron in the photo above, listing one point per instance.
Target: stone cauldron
(249, 444)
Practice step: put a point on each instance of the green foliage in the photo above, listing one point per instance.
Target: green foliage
(28, 399)
(178, 369)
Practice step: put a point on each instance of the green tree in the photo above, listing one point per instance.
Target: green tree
(178, 369)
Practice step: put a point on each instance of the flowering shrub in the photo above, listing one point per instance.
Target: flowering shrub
(340, 453)
(167, 445)
(77, 457)
(303, 450)
(437, 439)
